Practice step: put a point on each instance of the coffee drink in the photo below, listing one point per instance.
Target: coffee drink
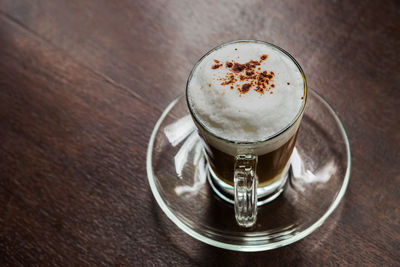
(270, 166)
(247, 97)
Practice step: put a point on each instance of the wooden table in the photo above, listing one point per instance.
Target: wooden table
(82, 84)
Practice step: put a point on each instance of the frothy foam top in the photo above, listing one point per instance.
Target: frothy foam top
(246, 91)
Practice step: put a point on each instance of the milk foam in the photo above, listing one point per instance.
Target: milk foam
(250, 116)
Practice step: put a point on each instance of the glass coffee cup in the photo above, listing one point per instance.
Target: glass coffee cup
(247, 99)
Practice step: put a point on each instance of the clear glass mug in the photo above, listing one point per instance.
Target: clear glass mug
(249, 174)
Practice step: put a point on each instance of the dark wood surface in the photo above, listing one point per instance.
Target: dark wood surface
(82, 84)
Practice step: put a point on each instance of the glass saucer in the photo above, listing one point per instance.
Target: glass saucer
(319, 174)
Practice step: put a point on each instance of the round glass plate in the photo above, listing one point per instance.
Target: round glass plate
(318, 178)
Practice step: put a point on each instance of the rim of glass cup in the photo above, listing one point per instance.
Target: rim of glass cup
(284, 129)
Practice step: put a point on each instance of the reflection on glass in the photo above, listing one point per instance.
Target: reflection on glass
(299, 172)
(176, 132)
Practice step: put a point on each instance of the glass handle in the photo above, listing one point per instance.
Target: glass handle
(245, 190)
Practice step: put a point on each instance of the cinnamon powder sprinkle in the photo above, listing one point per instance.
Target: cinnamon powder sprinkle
(249, 73)
(245, 88)
(216, 66)
(238, 67)
(230, 78)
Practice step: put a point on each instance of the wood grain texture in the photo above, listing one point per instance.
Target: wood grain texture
(82, 84)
